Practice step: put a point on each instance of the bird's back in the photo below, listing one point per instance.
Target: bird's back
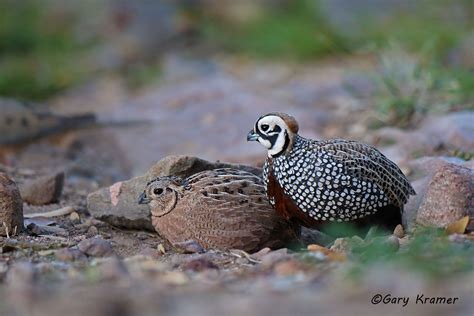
(227, 208)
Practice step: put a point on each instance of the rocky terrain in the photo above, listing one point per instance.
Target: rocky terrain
(88, 248)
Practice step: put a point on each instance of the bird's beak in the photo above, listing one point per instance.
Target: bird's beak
(143, 199)
(252, 136)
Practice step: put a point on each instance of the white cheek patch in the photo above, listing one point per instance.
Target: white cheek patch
(278, 146)
(266, 143)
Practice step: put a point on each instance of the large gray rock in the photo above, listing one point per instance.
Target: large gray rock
(451, 132)
(449, 197)
(118, 204)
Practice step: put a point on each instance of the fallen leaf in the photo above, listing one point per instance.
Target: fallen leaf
(458, 227)
(161, 248)
(330, 254)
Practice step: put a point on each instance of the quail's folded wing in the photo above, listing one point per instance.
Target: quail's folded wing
(368, 164)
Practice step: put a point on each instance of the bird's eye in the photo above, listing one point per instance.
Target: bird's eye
(157, 191)
(264, 127)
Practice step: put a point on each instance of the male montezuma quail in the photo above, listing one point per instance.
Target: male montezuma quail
(220, 209)
(332, 180)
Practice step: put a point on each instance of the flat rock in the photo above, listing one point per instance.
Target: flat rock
(96, 247)
(118, 204)
(11, 207)
(43, 190)
(449, 197)
(70, 254)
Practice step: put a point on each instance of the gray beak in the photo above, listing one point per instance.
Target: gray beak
(252, 136)
(143, 199)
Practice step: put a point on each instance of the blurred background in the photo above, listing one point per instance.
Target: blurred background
(201, 71)
(102, 89)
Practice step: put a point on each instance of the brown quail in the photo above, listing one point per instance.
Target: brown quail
(11, 207)
(316, 182)
(218, 209)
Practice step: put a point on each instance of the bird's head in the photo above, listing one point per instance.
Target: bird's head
(162, 194)
(276, 132)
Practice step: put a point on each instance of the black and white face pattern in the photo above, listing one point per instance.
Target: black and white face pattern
(273, 133)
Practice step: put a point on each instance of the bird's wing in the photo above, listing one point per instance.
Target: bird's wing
(235, 214)
(367, 163)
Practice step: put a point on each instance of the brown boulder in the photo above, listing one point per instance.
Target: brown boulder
(11, 207)
(449, 197)
(43, 190)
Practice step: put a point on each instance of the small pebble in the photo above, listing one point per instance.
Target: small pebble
(70, 254)
(96, 247)
(92, 231)
(399, 231)
(74, 217)
(199, 264)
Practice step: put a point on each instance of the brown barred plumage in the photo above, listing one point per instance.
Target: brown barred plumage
(221, 209)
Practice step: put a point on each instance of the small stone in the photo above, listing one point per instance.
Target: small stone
(150, 253)
(345, 245)
(328, 253)
(112, 269)
(74, 217)
(11, 207)
(175, 278)
(43, 190)
(96, 247)
(262, 252)
(449, 197)
(399, 231)
(288, 267)
(393, 242)
(199, 264)
(92, 231)
(273, 257)
(458, 238)
(70, 254)
(189, 246)
(46, 230)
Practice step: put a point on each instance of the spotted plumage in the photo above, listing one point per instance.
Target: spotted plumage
(328, 181)
(221, 209)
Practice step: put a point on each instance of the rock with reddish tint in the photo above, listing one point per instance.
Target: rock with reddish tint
(96, 247)
(11, 207)
(449, 197)
(199, 264)
(118, 204)
(423, 169)
(43, 190)
(288, 267)
(70, 254)
(271, 258)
